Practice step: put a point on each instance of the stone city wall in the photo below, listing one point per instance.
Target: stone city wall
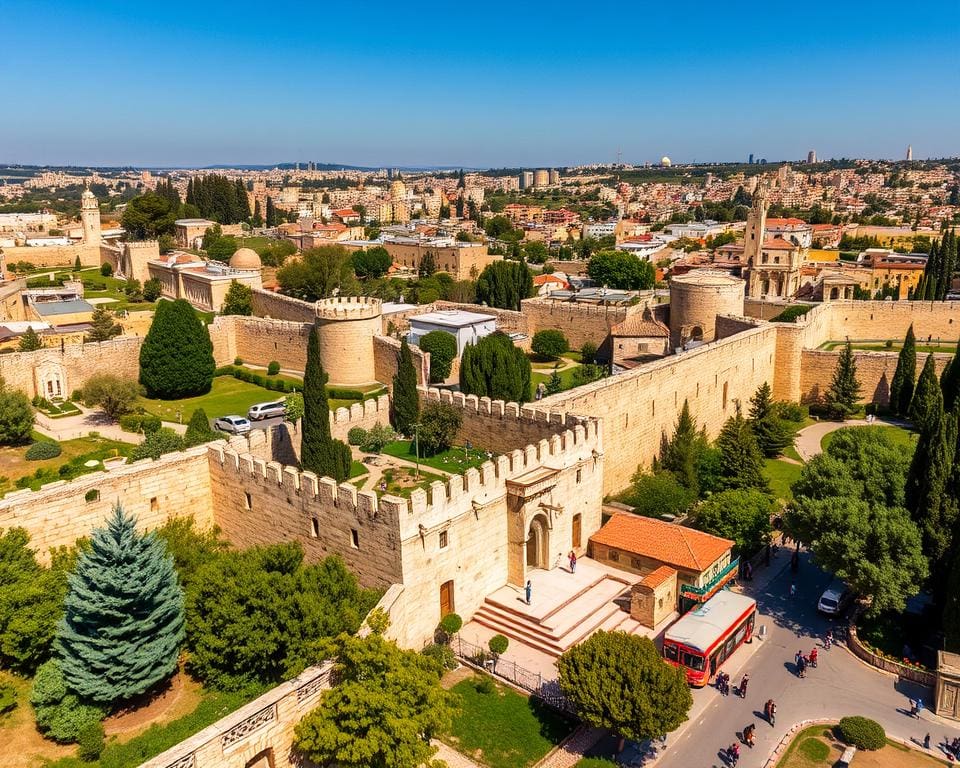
(12, 306)
(863, 320)
(75, 363)
(259, 340)
(258, 734)
(638, 406)
(874, 372)
(53, 255)
(580, 323)
(728, 325)
(280, 307)
(386, 354)
(175, 485)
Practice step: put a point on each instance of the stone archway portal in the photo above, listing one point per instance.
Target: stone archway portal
(537, 544)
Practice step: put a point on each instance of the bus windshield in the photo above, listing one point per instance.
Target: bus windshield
(692, 661)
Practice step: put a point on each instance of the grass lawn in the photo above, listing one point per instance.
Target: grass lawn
(160, 737)
(456, 460)
(781, 475)
(898, 435)
(594, 762)
(543, 374)
(503, 729)
(22, 744)
(949, 346)
(227, 396)
(14, 465)
(402, 482)
(815, 747)
(357, 469)
(791, 453)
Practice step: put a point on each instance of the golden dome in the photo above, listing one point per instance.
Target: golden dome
(245, 258)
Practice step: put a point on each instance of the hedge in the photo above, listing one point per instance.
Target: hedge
(281, 385)
(862, 732)
(140, 422)
(43, 450)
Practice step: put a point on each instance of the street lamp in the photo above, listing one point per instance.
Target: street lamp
(416, 442)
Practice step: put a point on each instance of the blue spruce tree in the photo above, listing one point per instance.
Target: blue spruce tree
(123, 620)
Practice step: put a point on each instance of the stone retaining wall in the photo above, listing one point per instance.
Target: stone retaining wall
(904, 671)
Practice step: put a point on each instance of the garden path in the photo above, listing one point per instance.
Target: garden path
(809, 439)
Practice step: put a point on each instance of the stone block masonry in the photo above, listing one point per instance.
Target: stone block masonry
(386, 355)
(279, 307)
(259, 340)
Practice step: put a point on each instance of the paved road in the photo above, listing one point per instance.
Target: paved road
(841, 685)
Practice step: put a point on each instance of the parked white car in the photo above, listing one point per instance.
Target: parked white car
(235, 425)
(266, 410)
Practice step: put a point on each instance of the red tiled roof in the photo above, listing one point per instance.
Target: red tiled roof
(791, 222)
(640, 326)
(655, 578)
(669, 543)
(544, 279)
(779, 244)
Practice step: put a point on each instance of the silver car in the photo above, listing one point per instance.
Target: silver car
(235, 425)
(266, 410)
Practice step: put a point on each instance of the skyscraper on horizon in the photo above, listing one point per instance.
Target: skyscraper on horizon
(812, 156)
(909, 152)
(751, 159)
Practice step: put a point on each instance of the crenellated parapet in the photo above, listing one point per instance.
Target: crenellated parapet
(349, 308)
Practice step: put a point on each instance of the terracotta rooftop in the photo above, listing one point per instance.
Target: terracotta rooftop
(655, 578)
(779, 244)
(669, 543)
(640, 325)
(791, 222)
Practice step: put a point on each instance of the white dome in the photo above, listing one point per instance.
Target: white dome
(665, 161)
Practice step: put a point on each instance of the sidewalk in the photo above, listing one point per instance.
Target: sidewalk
(87, 421)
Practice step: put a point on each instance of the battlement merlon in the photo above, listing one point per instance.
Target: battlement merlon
(349, 308)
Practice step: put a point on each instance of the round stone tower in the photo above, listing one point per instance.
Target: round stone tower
(90, 218)
(346, 326)
(696, 299)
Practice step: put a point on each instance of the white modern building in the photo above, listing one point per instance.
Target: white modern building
(697, 230)
(600, 229)
(465, 327)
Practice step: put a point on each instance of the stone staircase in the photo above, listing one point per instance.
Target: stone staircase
(564, 624)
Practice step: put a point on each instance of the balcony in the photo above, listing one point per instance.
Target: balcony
(701, 594)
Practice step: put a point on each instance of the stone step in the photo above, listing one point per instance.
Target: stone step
(529, 638)
(509, 604)
(585, 603)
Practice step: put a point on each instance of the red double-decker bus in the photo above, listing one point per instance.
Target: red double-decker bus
(706, 637)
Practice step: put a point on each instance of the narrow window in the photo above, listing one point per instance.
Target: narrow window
(443, 539)
(92, 495)
(579, 475)
(614, 556)
(154, 504)
(315, 527)
(355, 538)
(247, 501)
(725, 395)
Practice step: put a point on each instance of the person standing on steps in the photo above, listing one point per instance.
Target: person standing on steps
(572, 557)
(527, 590)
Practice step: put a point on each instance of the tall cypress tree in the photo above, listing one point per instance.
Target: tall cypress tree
(176, 359)
(741, 462)
(904, 378)
(844, 392)
(927, 404)
(679, 454)
(405, 410)
(123, 616)
(319, 452)
(931, 273)
(950, 381)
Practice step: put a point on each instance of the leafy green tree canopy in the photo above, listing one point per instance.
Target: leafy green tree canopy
(494, 367)
(549, 343)
(741, 514)
(618, 269)
(439, 425)
(16, 416)
(504, 284)
(318, 274)
(238, 300)
(114, 394)
(176, 359)
(442, 347)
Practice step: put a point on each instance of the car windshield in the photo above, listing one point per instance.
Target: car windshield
(829, 602)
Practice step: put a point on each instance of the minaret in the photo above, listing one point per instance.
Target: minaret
(90, 218)
(909, 152)
(755, 232)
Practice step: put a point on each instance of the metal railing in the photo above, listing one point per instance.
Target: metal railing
(480, 658)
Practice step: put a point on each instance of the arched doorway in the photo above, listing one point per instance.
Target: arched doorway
(538, 544)
(834, 293)
(262, 760)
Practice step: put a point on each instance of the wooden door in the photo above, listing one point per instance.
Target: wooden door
(576, 531)
(446, 598)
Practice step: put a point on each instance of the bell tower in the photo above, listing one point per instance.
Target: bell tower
(90, 218)
(754, 234)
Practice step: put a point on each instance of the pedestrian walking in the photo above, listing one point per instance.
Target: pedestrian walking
(926, 741)
(802, 667)
(573, 561)
(919, 708)
(793, 589)
(733, 752)
(527, 590)
(813, 658)
(828, 640)
(748, 734)
(770, 710)
(743, 686)
(797, 657)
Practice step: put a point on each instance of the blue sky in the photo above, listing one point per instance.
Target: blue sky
(475, 84)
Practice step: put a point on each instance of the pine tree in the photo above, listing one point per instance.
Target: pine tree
(741, 462)
(272, 219)
(238, 300)
(771, 432)
(319, 452)
(176, 359)
(927, 404)
(950, 381)
(904, 378)
(679, 454)
(123, 616)
(405, 410)
(29, 341)
(103, 327)
(199, 430)
(844, 393)
(257, 215)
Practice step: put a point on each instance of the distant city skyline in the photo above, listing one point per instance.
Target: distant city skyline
(168, 85)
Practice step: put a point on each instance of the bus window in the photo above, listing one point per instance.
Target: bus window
(670, 652)
(741, 633)
(728, 648)
(691, 661)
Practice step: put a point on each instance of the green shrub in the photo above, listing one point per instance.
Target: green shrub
(105, 269)
(790, 314)
(344, 394)
(8, 697)
(43, 450)
(92, 495)
(588, 353)
(442, 347)
(356, 435)
(862, 732)
(224, 370)
(155, 444)
(451, 623)
(140, 422)
(60, 714)
(485, 685)
(238, 361)
(549, 343)
(376, 438)
(90, 741)
(794, 412)
(442, 654)
(273, 368)
(498, 645)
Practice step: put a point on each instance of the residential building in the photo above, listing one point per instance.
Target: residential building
(465, 327)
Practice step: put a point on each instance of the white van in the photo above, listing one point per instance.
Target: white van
(835, 599)
(266, 410)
